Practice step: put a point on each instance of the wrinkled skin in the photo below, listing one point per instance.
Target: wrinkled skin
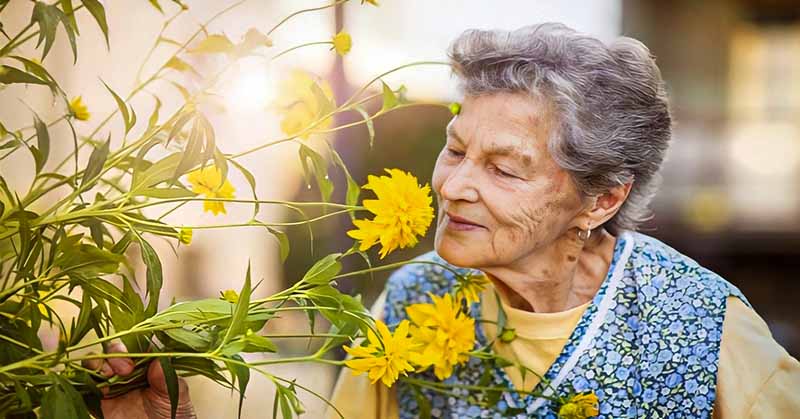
(148, 403)
(496, 171)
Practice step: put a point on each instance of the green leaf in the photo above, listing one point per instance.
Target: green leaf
(368, 122)
(155, 4)
(201, 366)
(322, 271)
(69, 14)
(40, 72)
(153, 120)
(183, 91)
(222, 164)
(324, 104)
(47, 17)
(176, 63)
(9, 144)
(99, 13)
(346, 313)
(42, 140)
(96, 231)
(122, 244)
(179, 124)
(171, 379)
(214, 44)
(20, 331)
(23, 396)
(70, 26)
(283, 399)
(283, 242)
(353, 189)
(96, 162)
(319, 168)
(251, 180)
(62, 401)
(128, 117)
(192, 153)
(84, 316)
(240, 309)
(256, 343)
(10, 75)
(154, 275)
(252, 40)
(210, 143)
(207, 309)
(389, 98)
(242, 374)
(160, 171)
(37, 158)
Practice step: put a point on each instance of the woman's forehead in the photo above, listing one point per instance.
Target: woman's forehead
(506, 122)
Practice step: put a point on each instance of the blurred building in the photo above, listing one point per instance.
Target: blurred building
(731, 192)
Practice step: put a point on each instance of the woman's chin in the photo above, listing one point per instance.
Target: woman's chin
(457, 253)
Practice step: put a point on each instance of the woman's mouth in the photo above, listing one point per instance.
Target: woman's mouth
(457, 223)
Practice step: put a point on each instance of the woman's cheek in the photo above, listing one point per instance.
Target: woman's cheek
(440, 173)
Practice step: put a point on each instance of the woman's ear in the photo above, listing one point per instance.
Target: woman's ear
(607, 204)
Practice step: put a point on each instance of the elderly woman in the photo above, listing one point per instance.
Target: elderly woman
(547, 172)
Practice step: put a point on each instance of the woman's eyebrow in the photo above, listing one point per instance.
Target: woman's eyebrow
(451, 132)
(514, 152)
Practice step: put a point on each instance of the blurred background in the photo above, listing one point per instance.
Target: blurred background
(731, 192)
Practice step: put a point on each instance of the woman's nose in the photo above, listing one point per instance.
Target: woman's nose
(460, 185)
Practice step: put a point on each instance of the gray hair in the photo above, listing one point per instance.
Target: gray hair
(614, 120)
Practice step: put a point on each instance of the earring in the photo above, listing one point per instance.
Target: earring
(585, 234)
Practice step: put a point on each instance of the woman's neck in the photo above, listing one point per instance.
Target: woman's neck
(562, 276)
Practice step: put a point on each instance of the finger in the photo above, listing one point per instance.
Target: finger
(98, 365)
(120, 366)
(92, 364)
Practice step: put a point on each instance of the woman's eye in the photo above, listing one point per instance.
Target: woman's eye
(503, 173)
(454, 153)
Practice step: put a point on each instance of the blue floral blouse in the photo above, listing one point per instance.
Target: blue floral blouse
(647, 345)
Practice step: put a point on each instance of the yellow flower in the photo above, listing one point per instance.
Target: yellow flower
(230, 296)
(580, 406)
(342, 43)
(402, 212)
(446, 334)
(185, 236)
(384, 358)
(470, 287)
(372, 2)
(299, 106)
(78, 109)
(208, 181)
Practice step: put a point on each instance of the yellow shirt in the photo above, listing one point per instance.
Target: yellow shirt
(757, 378)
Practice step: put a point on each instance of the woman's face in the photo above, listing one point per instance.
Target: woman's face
(501, 195)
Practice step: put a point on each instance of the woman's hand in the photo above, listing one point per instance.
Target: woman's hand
(147, 403)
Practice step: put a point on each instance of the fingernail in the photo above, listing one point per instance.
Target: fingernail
(106, 370)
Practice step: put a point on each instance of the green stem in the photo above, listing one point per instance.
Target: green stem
(434, 385)
(396, 265)
(7, 48)
(313, 9)
(301, 46)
